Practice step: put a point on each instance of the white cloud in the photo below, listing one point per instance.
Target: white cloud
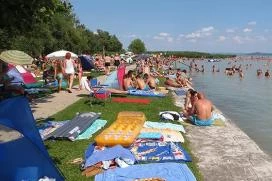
(238, 39)
(266, 30)
(170, 39)
(221, 38)
(252, 23)
(132, 36)
(230, 30)
(247, 30)
(181, 35)
(158, 38)
(164, 34)
(193, 40)
(203, 32)
(193, 35)
(261, 38)
(206, 29)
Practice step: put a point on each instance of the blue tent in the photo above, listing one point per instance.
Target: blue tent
(87, 62)
(25, 158)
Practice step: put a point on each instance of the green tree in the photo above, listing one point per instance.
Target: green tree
(137, 46)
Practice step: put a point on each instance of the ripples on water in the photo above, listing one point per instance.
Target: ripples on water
(247, 101)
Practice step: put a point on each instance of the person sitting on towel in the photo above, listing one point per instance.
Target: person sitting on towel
(171, 83)
(202, 110)
(128, 81)
(150, 81)
(140, 84)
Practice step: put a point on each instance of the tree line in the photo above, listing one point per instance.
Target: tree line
(43, 26)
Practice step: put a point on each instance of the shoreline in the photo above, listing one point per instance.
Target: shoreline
(226, 152)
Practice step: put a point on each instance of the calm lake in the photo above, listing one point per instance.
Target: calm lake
(246, 101)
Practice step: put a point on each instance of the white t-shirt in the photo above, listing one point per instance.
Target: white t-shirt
(69, 66)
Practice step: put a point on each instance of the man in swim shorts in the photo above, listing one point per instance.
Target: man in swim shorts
(202, 110)
(141, 85)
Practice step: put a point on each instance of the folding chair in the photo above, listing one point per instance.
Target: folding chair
(98, 92)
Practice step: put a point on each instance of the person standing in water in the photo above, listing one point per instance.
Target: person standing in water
(267, 74)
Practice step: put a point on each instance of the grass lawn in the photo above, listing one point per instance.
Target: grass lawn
(64, 151)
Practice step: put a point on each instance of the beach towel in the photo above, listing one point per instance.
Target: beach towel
(170, 116)
(161, 125)
(168, 135)
(131, 100)
(166, 171)
(159, 151)
(75, 127)
(150, 135)
(48, 127)
(145, 93)
(180, 92)
(93, 155)
(97, 125)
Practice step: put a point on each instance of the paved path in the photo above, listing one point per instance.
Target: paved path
(227, 153)
(45, 107)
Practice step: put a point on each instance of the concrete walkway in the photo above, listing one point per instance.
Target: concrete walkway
(227, 153)
(48, 106)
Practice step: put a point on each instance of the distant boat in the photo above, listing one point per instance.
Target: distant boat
(213, 60)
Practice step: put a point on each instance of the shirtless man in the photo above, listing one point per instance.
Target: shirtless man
(202, 110)
(140, 83)
(267, 74)
(128, 82)
(171, 83)
(150, 81)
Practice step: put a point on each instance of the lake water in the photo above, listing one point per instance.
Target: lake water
(247, 101)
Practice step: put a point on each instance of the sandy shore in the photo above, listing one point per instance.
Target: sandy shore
(227, 153)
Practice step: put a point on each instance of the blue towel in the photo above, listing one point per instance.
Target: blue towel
(97, 125)
(180, 92)
(166, 171)
(150, 135)
(145, 93)
(159, 152)
(91, 157)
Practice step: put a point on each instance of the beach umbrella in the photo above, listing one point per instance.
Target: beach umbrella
(60, 55)
(16, 57)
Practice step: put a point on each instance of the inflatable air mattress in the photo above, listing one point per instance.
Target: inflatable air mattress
(123, 131)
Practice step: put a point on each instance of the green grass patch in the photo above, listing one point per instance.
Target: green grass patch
(64, 151)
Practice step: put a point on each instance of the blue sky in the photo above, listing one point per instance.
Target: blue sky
(238, 26)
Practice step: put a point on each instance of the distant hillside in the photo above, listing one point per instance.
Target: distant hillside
(259, 54)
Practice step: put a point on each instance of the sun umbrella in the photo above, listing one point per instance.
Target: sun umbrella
(16, 57)
(60, 55)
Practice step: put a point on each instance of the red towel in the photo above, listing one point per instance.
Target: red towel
(131, 100)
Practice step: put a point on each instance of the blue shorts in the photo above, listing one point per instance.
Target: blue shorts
(131, 88)
(200, 122)
(146, 88)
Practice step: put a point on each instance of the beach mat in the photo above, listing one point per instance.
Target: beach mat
(164, 171)
(48, 127)
(97, 125)
(180, 92)
(159, 151)
(75, 127)
(162, 125)
(168, 135)
(145, 93)
(131, 100)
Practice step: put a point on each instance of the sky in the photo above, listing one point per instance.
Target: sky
(215, 26)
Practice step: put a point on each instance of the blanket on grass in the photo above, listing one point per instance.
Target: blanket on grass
(165, 171)
(159, 151)
(161, 125)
